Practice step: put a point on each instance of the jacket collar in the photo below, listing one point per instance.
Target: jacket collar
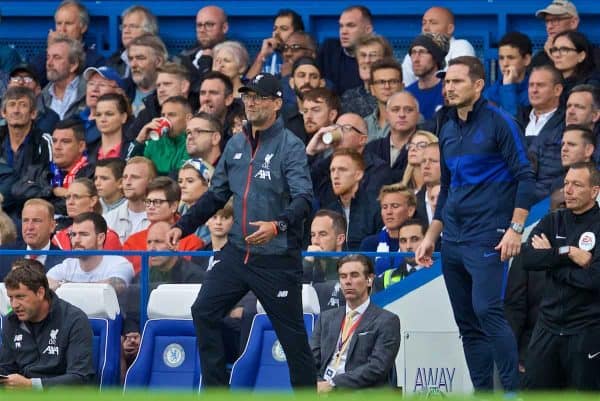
(479, 104)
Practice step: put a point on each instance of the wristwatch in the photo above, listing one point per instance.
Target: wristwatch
(282, 226)
(564, 250)
(517, 227)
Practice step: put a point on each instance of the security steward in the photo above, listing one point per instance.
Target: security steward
(266, 171)
(564, 351)
(46, 341)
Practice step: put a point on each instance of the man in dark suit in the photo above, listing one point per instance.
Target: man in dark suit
(37, 226)
(355, 346)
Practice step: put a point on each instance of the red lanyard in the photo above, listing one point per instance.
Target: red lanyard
(343, 341)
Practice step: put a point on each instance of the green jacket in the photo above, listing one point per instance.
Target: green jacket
(167, 153)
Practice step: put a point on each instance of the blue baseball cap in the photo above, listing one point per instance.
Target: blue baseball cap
(105, 72)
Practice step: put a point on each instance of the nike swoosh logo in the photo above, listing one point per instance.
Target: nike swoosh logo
(592, 356)
(488, 254)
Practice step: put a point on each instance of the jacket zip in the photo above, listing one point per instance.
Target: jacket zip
(245, 198)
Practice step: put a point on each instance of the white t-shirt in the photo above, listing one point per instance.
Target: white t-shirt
(110, 266)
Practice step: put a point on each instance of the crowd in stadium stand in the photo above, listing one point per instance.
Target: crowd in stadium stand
(109, 153)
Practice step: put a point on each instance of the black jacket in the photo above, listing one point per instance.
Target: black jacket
(58, 350)
(377, 174)
(365, 218)
(571, 302)
(381, 148)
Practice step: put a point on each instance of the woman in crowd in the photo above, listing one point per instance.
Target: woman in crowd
(193, 179)
(413, 176)
(573, 55)
(231, 58)
(82, 197)
(112, 112)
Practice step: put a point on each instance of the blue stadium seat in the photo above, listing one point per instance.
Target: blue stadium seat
(100, 304)
(168, 355)
(262, 365)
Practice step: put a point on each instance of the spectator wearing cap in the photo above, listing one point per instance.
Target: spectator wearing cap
(369, 49)
(559, 16)
(25, 75)
(193, 179)
(306, 76)
(264, 244)
(386, 79)
(99, 81)
(438, 20)
(162, 200)
(65, 91)
(427, 54)
(71, 21)
(514, 58)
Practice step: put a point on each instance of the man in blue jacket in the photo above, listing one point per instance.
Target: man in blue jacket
(266, 172)
(486, 192)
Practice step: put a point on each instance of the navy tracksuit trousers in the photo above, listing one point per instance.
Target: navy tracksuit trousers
(279, 290)
(475, 278)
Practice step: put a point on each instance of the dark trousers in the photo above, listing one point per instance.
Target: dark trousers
(475, 278)
(567, 361)
(279, 290)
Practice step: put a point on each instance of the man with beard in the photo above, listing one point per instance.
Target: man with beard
(65, 92)
(298, 44)
(265, 170)
(88, 232)
(146, 53)
(320, 108)
(427, 54)
(211, 28)
(203, 137)
(71, 20)
(305, 77)
(359, 207)
(269, 59)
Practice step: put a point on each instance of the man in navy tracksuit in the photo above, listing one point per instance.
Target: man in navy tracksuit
(266, 172)
(486, 191)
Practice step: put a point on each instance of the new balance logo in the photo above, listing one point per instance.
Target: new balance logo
(282, 294)
(263, 174)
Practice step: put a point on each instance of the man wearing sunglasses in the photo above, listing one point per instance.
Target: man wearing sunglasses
(264, 169)
(349, 132)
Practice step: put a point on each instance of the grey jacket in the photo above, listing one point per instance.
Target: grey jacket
(372, 350)
(75, 107)
(269, 181)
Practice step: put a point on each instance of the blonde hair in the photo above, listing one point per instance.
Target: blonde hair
(144, 160)
(407, 178)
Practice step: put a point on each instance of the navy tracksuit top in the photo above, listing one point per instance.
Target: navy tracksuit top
(485, 175)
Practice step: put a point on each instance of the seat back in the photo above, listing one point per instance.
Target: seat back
(168, 356)
(99, 302)
(310, 301)
(263, 365)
